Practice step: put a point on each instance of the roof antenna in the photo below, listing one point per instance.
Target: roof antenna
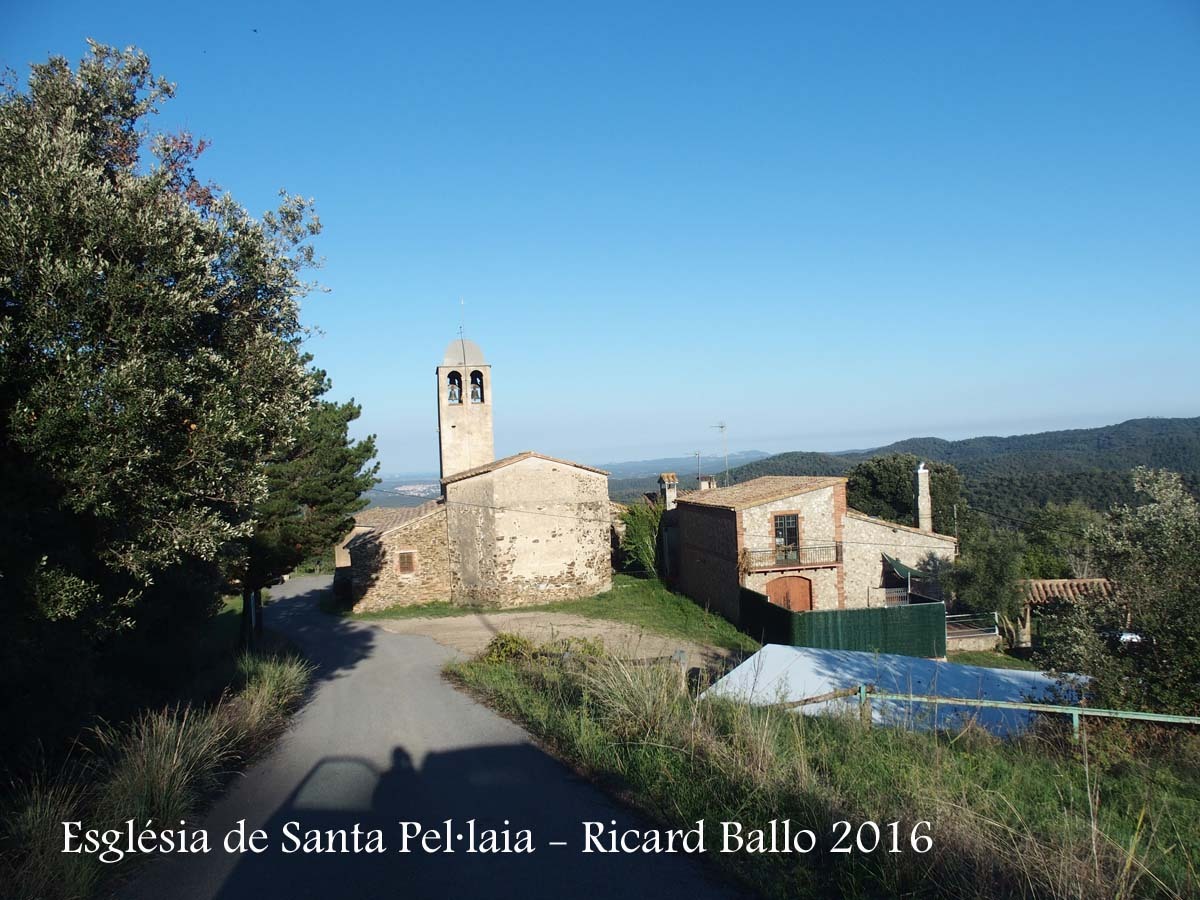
(462, 321)
(721, 426)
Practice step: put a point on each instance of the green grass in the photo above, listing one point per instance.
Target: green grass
(991, 660)
(1034, 817)
(644, 602)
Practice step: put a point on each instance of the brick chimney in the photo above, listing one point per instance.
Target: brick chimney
(668, 488)
(924, 503)
(708, 482)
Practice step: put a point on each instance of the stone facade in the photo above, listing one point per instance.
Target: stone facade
(530, 531)
(867, 539)
(727, 539)
(379, 583)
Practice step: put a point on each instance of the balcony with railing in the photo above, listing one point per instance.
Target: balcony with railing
(792, 557)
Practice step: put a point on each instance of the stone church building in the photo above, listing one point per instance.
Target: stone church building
(528, 528)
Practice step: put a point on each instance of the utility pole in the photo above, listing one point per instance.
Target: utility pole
(721, 426)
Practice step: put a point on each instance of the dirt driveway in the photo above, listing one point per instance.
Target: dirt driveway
(470, 634)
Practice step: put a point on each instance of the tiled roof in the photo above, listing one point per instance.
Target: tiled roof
(1073, 590)
(759, 490)
(515, 458)
(383, 519)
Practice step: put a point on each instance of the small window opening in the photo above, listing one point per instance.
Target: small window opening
(406, 562)
(454, 388)
(476, 386)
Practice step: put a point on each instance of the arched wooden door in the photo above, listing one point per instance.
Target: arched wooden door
(791, 592)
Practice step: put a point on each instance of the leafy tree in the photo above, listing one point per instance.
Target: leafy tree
(987, 574)
(149, 366)
(1141, 646)
(1057, 541)
(314, 489)
(883, 486)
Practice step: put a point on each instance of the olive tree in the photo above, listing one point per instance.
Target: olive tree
(149, 359)
(1140, 645)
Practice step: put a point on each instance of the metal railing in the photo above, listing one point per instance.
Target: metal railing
(794, 556)
(972, 625)
(895, 596)
(864, 693)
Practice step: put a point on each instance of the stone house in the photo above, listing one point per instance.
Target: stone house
(528, 528)
(399, 557)
(794, 539)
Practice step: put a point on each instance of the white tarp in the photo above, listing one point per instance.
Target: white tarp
(778, 674)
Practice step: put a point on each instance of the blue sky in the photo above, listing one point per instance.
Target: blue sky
(829, 226)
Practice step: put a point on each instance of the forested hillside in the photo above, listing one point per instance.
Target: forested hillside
(1011, 475)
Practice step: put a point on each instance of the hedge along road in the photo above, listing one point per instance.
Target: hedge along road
(384, 740)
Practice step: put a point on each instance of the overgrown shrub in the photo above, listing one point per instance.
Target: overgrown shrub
(507, 646)
(162, 763)
(633, 701)
(272, 686)
(32, 863)
(640, 542)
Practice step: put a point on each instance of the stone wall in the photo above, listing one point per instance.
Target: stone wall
(378, 583)
(979, 642)
(708, 557)
(530, 532)
(865, 542)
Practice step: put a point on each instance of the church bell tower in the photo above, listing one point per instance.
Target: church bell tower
(464, 388)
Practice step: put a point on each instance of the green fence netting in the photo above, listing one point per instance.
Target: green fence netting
(915, 630)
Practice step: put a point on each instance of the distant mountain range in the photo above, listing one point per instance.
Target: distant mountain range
(1010, 475)
(413, 489)
(1005, 475)
(681, 465)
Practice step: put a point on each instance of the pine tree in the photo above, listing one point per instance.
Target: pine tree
(314, 489)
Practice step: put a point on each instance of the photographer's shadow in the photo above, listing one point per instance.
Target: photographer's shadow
(505, 788)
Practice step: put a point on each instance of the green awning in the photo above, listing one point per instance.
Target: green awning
(901, 569)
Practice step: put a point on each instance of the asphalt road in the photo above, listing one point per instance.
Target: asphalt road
(384, 740)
